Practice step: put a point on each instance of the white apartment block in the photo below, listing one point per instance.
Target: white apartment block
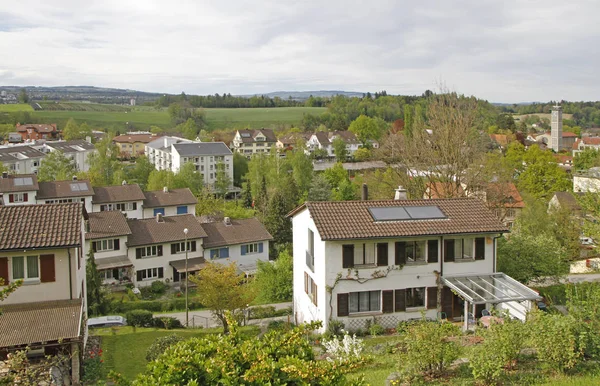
(250, 142)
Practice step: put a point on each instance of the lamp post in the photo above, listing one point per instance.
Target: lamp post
(187, 320)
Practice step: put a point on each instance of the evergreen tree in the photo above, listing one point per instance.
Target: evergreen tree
(246, 195)
(262, 199)
(96, 299)
(275, 220)
(320, 189)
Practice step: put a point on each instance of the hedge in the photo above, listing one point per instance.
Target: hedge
(139, 318)
(153, 305)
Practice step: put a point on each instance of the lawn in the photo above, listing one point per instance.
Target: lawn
(15, 108)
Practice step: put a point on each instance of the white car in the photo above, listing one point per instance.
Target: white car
(107, 321)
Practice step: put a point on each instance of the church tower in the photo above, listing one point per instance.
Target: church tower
(556, 126)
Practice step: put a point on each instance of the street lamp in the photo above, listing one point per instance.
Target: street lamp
(187, 320)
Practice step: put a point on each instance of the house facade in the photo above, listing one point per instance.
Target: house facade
(132, 145)
(208, 158)
(18, 189)
(34, 132)
(77, 150)
(580, 145)
(250, 142)
(169, 202)
(158, 151)
(324, 140)
(21, 159)
(59, 192)
(388, 261)
(125, 198)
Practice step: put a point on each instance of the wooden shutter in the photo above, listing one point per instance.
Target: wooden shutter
(400, 253)
(25, 197)
(11, 198)
(139, 276)
(160, 272)
(382, 254)
(47, 273)
(138, 253)
(342, 305)
(116, 244)
(387, 301)
(159, 250)
(432, 251)
(400, 303)
(348, 256)
(4, 269)
(174, 249)
(305, 282)
(193, 246)
(94, 249)
(480, 248)
(449, 250)
(432, 298)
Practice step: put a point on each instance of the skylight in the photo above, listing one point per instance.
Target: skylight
(79, 187)
(403, 213)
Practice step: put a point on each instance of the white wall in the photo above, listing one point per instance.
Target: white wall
(122, 251)
(31, 195)
(138, 213)
(86, 199)
(586, 184)
(235, 254)
(169, 210)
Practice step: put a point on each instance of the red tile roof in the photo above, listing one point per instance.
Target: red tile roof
(505, 194)
(569, 135)
(440, 189)
(591, 140)
(132, 138)
(38, 127)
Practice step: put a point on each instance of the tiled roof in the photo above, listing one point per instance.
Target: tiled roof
(58, 189)
(150, 231)
(239, 232)
(505, 194)
(132, 138)
(71, 146)
(7, 185)
(117, 193)
(569, 135)
(347, 136)
(16, 153)
(439, 189)
(591, 140)
(292, 138)
(251, 135)
(171, 197)
(567, 200)
(322, 137)
(202, 148)
(105, 224)
(39, 127)
(40, 226)
(344, 220)
(40, 322)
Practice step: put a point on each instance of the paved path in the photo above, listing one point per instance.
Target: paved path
(570, 278)
(205, 318)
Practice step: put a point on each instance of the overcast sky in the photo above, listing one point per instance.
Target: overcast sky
(503, 51)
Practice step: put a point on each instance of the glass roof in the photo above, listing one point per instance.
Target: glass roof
(493, 288)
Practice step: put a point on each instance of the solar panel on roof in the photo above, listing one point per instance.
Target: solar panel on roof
(75, 188)
(83, 186)
(23, 181)
(389, 213)
(424, 212)
(401, 213)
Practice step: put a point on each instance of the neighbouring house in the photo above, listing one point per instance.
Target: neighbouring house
(565, 201)
(157, 248)
(159, 150)
(587, 180)
(21, 159)
(501, 140)
(125, 198)
(14, 138)
(324, 140)
(243, 241)
(18, 189)
(586, 143)
(132, 145)
(359, 260)
(43, 246)
(439, 189)
(289, 141)
(59, 192)
(78, 150)
(568, 139)
(36, 131)
(106, 236)
(169, 202)
(208, 158)
(248, 141)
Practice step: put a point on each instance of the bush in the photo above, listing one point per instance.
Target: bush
(334, 329)
(139, 318)
(376, 329)
(160, 345)
(158, 288)
(166, 322)
(277, 325)
(261, 312)
(554, 294)
(348, 349)
(554, 339)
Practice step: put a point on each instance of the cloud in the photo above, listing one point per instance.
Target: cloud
(502, 51)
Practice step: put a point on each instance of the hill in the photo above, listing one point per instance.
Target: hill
(301, 95)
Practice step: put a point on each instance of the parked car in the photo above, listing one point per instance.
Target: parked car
(107, 321)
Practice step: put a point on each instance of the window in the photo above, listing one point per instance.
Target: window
(150, 251)
(467, 249)
(211, 176)
(183, 209)
(17, 197)
(366, 256)
(366, 301)
(415, 297)
(310, 288)
(159, 210)
(105, 245)
(150, 273)
(220, 253)
(510, 212)
(25, 267)
(464, 249)
(415, 251)
(201, 168)
(122, 206)
(61, 201)
(180, 247)
(252, 248)
(211, 167)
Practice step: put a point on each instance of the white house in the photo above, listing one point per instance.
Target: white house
(207, 158)
(159, 151)
(243, 241)
(250, 142)
(58, 192)
(77, 150)
(125, 198)
(21, 159)
(169, 202)
(386, 261)
(587, 181)
(18, 189)
(324, 140)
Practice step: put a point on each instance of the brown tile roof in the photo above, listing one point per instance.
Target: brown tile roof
(345, 135)
(171, 197)
(568, 134)
(322, 137)
(239, 232)
(591, 140)
(7, 185)
(105, 224)
(505, 194)
(251, 134)
(150, 231)
(70, 188)
(40, 226)
(344, 220)
(40, 322)
(501, 139)
(567, 200)
(38, 127)
(439, 189)
(292, 138)
(118, 193)
(127, 138)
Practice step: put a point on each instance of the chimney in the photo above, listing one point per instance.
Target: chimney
(4, 174)
(165, 189)
(165, 141)
(400, 194)
(365, 192)
(159, 217)
(124, 183)
(74, 178)
(227, 220)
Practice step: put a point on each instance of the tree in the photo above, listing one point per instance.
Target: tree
(586, 159)
(362, 154)
(188, 177)
(340, 150)
(104, 165)
(57, 167)
(23, 97)
(141, 171)
(189, 129)
(320, 189)
(158, 179)
(302, 169)
(408, 120)
(71, 130)
(240, 168)
(274, 280)
(246, 195)
(366, 129)
(344, 192)
(542, 175)
(275, 220)
(220, 289)
(96, 296)
(222, 180)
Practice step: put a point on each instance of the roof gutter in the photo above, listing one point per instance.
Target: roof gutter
(40, 248)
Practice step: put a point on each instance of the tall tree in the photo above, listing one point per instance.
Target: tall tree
(274, 280)
(240, 168)
(542, 176)
(57, 167)
(188, 177)
(141, 172)
(340, 150)
(23, 97)
(104, 163)
(71, 130)
(222, 181)
(366, 129)
(96, 296)
(158, 179)
(408, 120)
(275, 219)
(302, 169)
(320, 189)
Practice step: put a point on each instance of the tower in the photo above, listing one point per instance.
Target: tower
(556, 126)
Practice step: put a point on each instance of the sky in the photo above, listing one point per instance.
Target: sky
(502, 51)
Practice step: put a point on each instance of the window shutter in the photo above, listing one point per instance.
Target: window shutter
(224, 252)
(173, 249)
(480, 248)
(135, 206)
(244, 249)
(25, 197)
(94, 249)
(432, 298)
(138, 253)
(449, 250)
(400, 253)
(213, 253)
(432, 251)
(116, 244)
(11, 198)
(160, 272)
(342, 305)
(139, 276)
(400, 303)
(305, 282)
(47, 269)
(348, 256)
(260, 247)
(387, 302)
(193, 246)
(382, 254)
(4, 269)
(159, 250)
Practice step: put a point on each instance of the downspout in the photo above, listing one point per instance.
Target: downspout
(494, 252)
(70, 275)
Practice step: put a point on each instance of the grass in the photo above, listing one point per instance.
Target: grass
(15, 108)
(124, 348)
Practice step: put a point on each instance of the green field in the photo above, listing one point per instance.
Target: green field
(15, 108)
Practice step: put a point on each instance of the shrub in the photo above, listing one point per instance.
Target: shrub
(376, 329)
(335, 328)
(166, 322)
(160, 345)
(261, 312)
(158, 288)
(139, 318)
(277, 325)
(348, 349)
(553, 337)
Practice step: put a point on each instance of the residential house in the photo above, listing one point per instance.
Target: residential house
(14, 138)
(169, 202)
(158, 151)
(207, 158)
(125, 198)
(501, 140)
(586, 143)
(324, 140)
(243, 241)
(34, 131)
(18, 189)
(356, 260)
(55, 192)
(106, 236)
(568, 139)
(78, 150)
(250, 141)
(439, 189)
(21, 159)
(157, 248)
(133, 144)
(587, 180)
(43, 246)
(289, 141)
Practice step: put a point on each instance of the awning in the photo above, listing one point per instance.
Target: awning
(491, 288)
(248, 269)
(194, 264)
(113, 262)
